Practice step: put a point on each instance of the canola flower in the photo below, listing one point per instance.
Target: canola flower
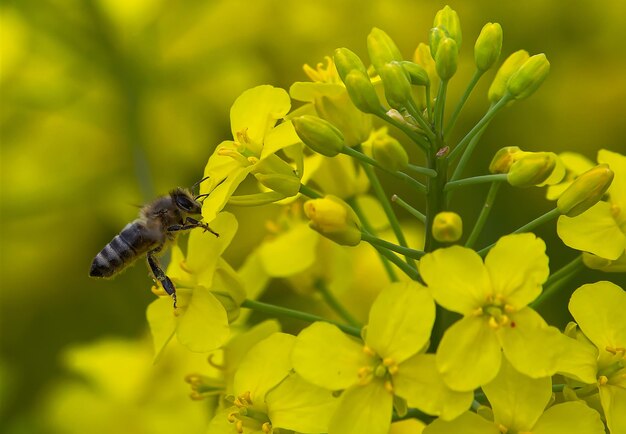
(451, 340)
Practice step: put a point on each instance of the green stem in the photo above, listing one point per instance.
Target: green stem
(422, 170)
(415, 213)
(368, 227)
(412, 109)
(334, 304)
(405, 251)
(291, 313)
(413, 135)
(309, 192)
(391, 216)
(408, 270)
(470, 87)
(498, 177)
(367, 160)
(484, 214)
(414, 413)
(440, 106)
(556, 280)
(435, 197)
(550, 215)
(428, 102)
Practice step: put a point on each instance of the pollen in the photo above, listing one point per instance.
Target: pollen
(266, 427)
(367, 350)
(388, 386)
(602, 380)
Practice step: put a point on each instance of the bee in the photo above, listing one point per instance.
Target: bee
(157, 226)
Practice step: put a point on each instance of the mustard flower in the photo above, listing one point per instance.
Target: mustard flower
(267, 395)
(389, 365)
(598, 309)
(519, 406)
(257, 137)
(493, 298)
(601, 230)
(208, 289)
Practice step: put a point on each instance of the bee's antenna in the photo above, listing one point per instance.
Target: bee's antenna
(201, 196)
(198, 183)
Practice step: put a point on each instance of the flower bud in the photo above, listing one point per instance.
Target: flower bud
(435, 36)
(446, 59)
(532, 169)
(319, 135)
(608, 266)
(381, 48)
(529, 76)
(585, 191)
(447, 227)
(504, 159)
(416, 73)
(334, 219)
(396, 83)
(347, 61)
(288, 185)
(488, 46)
(387, 151)
(507, 69)
(448, 19)
(362, 92)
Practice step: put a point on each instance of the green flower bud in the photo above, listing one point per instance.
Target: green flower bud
(288, 185)
(387, 151)
(435, 36)
(396, 83)
(362, 92)
(529, 76)
(447, 227)
(504, 159)
(347, 61)
(319, 135)
(488, 46)
(334, 219)
(585, 191)
(416, 73)
(342, 113)
(381, 48)
(507, 69)
(448, 19)
(532, 169)
(446, 59)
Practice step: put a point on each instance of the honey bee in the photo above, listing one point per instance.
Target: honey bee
(158, 224)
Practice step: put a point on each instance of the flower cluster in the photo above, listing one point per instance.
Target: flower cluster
(405, 319)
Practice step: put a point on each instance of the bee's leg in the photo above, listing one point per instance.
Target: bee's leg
(191, 223)
(160, 275)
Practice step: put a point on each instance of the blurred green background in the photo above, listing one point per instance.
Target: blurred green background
(106, 103)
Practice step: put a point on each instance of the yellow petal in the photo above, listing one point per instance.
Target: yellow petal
(419, 382)
(467, 423)
(518, 266)
(613, 399)
(400, 321)
(363, 409)
(307, 91)
(617, 190)
(162, 324)
(569, 418)
(290, 252)
(456, 278)
(469, 354)
(202, 326)
(265, 365)
(594, 231)
(220, 195)
(326, 357)
(278, 138)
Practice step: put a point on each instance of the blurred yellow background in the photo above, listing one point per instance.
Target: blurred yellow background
(107, 103)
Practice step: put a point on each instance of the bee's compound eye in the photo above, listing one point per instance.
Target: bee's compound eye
(185, 203)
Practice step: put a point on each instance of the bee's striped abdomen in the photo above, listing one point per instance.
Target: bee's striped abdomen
(121, 251)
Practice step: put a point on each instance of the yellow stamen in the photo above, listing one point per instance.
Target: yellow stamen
(393, 370)
(509, 309)
(266, 428)
(478, 311)
(493, 323)
(388, 386)
(232, 416)
(602, 380)
(367, 350)
(388, 361)
(239, 426)
(158, 290)
(502, 428)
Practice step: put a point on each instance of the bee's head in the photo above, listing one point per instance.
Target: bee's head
(185, 201)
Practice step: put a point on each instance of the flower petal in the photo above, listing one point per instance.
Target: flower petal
(325, 356)
(617, 190)
(202, 326)
(594, 231)
(363, 409)
(257, 110)
(300, 406)
(517, 400)
(307, 91)
(469, 354)
(419, 382)
(162, 324)
(599, 308)
(569, 418)
(265, 365)
(278, 138)
(517, 266)
(400, 321)
(456, 277)
(467, 423)
(613, 399)
(538, 350)
(290, 252)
